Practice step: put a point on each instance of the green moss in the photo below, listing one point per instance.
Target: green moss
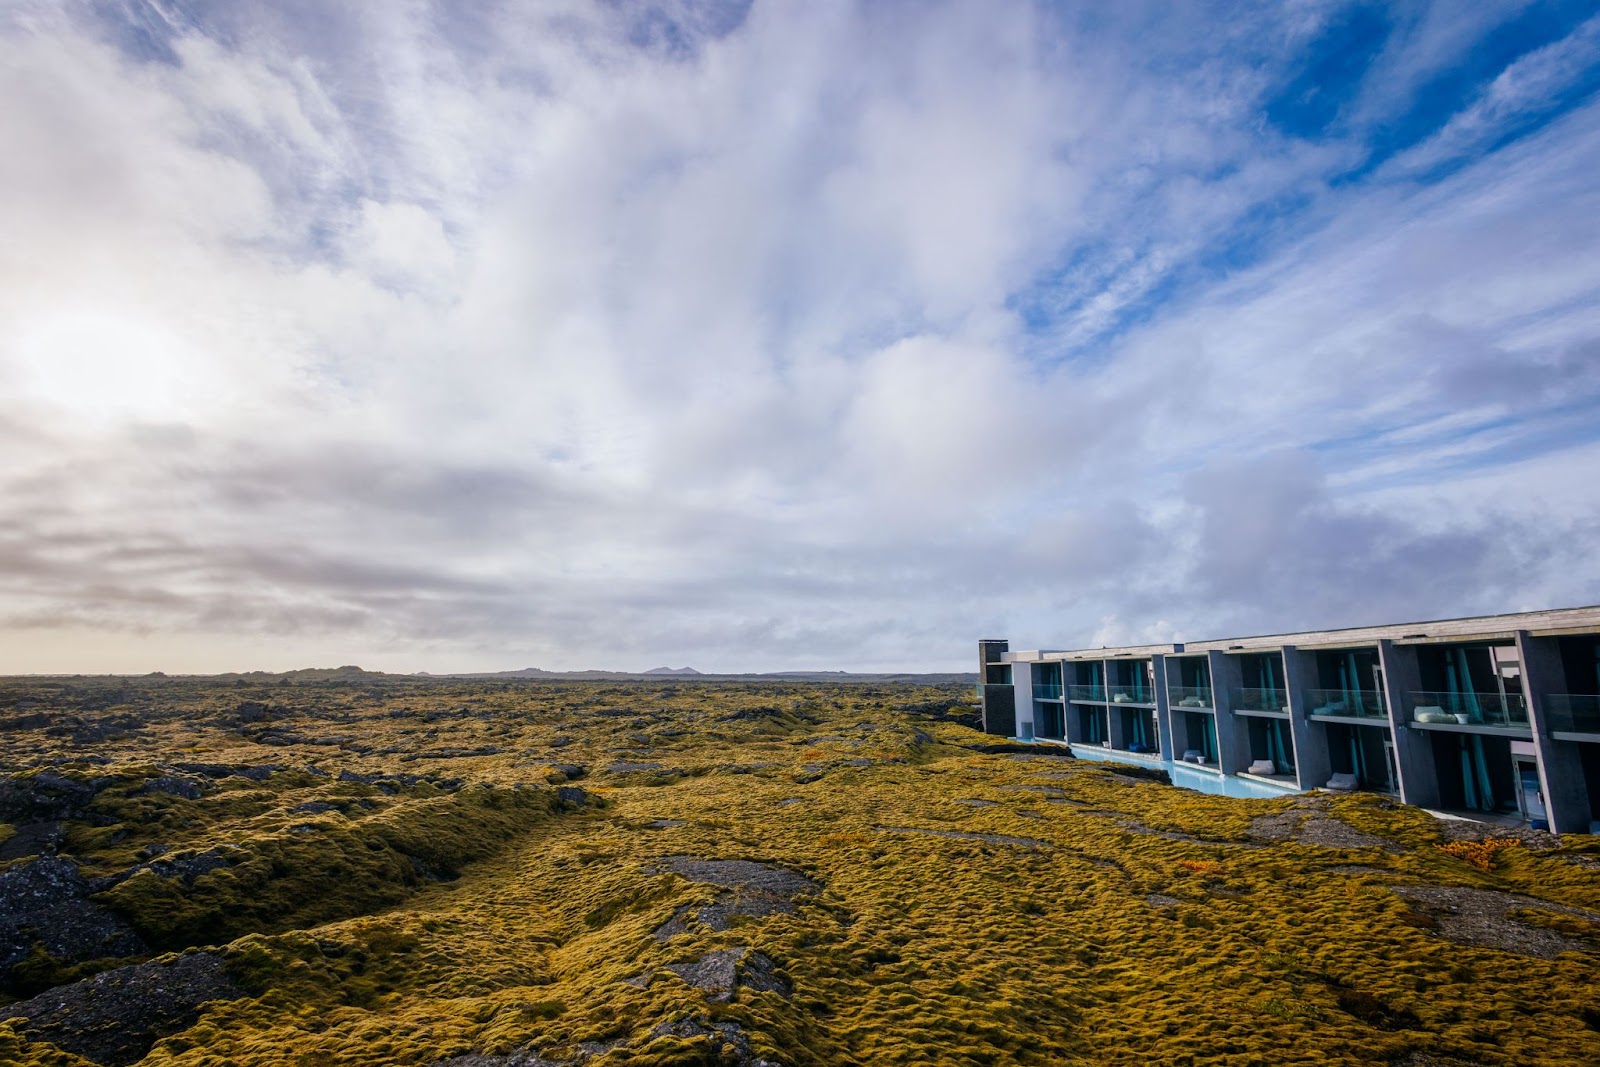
(17, 1051)
(1145, 927)
(325, 869)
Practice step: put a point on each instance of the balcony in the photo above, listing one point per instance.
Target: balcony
(1130, 694)
(1573, 713)
(1346, 704)
(1507, 712)
(1047, 690)
(1088, 694)
(1189, 696)
(1273, 700)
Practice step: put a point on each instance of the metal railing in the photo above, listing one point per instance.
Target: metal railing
(1475, 709)
(1346, 703)
(1189, 696)
(1260, 700)
(1573, 713)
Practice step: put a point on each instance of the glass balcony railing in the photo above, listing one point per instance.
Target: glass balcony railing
(1346, 703)
(1131, 694)
(1260, 700)
(1189, 696)
(1094, 694)
(1047, 690)
(1475, 709)
(1573, 713)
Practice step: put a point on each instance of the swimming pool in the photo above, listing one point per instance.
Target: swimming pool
(1187, 776)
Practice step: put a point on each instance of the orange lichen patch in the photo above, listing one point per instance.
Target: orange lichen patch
(1481, 854)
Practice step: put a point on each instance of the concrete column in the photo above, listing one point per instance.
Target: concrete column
(1413, 749)
(999, 710)
(1233, 738)
(1311, 764)
(1163, 707)
(1022, 683)
(1561, 780)
(997, 701)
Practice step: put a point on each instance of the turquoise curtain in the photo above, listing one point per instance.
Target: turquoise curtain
(1350, 688)
(1468, 690)
(1209, 739)
(1463, 698)
(1357, 763)
(1277, 750)
(1139, 731)
(1272, 685)
(1480, 767)
(1095, 734)
(1475, 785)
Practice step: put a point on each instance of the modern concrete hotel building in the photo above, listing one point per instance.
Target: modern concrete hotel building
(1498, 715)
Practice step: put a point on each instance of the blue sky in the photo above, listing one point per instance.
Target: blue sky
(464, 336)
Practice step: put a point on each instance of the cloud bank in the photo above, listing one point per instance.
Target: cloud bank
(444, 336)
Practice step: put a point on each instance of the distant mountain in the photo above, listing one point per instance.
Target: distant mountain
(662, 673)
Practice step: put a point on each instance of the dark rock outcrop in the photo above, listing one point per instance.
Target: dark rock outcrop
(45, 904)
(750, 890)
(719, 974)
(44, 797)
(33, 839)
(114, 1018)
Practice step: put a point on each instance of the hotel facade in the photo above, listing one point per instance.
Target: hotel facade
(1496, 717)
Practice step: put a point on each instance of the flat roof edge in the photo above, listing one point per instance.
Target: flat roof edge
(1483, 627)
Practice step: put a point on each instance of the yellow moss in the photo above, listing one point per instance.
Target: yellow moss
(17, 1051)
(1066, 928)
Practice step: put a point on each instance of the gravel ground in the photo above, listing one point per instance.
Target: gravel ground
(1478, 917)
(750, 890)
(1307, 823)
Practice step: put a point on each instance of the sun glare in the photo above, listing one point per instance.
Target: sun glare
(107, 366)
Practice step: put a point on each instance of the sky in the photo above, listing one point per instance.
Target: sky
(473, 336)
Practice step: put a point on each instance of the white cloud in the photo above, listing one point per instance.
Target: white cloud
(448, 343)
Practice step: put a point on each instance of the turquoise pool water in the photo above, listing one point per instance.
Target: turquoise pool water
(1187, 776)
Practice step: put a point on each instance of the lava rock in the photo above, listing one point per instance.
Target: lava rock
(187, 788)
(33, 839)
(46, 903)
(114, 1018)
(719, 974)
(44, 797)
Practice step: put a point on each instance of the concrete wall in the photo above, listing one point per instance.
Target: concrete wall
(997, 702)
(1163, 710)
(1233, 737)
(1561, 779)
(999, 710)
(1022, 684)
(1311, 764)
(1413, 750)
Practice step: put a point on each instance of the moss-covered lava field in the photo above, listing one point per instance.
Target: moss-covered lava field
(486, 874)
